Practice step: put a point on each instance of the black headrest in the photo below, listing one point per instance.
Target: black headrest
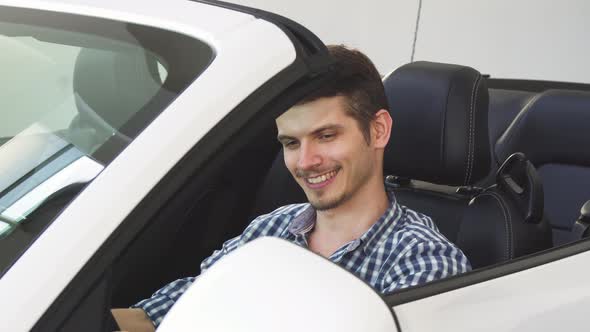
(552, 128)
(440, 124)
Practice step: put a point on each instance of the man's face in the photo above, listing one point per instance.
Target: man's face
(326, 152)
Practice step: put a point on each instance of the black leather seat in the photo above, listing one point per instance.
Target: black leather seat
(440, 148)
(439, 139)
(552, 131)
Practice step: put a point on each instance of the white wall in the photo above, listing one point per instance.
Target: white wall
(534, 39)
(382, 29)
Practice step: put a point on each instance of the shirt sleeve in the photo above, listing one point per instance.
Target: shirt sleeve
(423, 262)
(158, 305)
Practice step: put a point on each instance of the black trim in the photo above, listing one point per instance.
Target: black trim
(309, 71)
(534, 85)
(303, 39)
(496, 271)
(397, 325)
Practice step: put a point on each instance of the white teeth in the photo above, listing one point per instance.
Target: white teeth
(321, 178)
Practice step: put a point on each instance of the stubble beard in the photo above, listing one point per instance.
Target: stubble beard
(318, 205)
(342, 198)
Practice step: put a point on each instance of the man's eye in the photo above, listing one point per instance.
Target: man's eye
(325, 137)
(290, 144)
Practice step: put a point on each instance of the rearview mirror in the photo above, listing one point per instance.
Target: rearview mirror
(272, 285)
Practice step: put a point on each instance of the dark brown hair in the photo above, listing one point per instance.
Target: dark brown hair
(356, 78)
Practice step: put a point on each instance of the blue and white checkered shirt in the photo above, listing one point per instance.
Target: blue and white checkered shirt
(403, 248)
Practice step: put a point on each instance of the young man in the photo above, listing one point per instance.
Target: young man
(333, 143)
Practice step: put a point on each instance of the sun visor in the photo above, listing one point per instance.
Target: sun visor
(272, 285)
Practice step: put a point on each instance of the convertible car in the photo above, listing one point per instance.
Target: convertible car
(136, 137)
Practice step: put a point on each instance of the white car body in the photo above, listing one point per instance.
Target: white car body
(542, 298)
(189, 118)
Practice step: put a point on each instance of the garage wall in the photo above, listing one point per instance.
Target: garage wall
(536, 39)
(383, 29)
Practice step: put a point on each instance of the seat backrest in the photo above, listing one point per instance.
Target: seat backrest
(552, 132)
(439, 140)
(440, 148)
(278, 189)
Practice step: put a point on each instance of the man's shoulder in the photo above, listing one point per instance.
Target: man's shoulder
(421, 239)
(420, 228)
(417, 219)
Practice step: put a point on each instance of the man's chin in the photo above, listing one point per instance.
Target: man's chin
(328, 204)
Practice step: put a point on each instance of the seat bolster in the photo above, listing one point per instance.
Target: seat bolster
(493, 230)
(485, 233)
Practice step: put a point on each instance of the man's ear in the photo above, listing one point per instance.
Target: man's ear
(381, 128)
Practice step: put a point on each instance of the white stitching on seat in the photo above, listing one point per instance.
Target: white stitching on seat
(471, 138)
(507, 221)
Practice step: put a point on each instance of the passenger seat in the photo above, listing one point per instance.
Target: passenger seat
(552, 131)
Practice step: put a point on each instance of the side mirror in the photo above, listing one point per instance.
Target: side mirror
(272, 285)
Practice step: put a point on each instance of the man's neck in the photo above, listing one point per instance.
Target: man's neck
(350, 220)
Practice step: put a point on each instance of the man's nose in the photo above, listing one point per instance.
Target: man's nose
(308, 157)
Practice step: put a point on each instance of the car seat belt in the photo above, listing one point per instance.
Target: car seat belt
(581, 228)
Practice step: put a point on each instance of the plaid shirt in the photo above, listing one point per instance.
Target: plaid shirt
(403, 248)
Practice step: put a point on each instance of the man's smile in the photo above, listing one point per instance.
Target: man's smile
(322, 180)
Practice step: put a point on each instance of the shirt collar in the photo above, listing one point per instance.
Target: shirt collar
(305, 221)
(384, 224)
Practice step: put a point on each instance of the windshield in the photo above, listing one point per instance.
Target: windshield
(74, 92)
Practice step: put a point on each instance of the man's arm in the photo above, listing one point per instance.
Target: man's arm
(133, 320)
(147, 314)
(158, 305)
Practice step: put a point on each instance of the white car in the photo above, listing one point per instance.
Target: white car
(135, 137)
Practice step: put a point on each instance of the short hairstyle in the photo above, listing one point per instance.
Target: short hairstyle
(355, 78)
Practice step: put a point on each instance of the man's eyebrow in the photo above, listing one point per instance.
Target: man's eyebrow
(327, 127)
(316, 131)
(282, 138)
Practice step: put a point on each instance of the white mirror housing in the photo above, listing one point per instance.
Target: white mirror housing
(272, 285)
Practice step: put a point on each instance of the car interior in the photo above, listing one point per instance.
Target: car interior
(503, 172)
(502, 167)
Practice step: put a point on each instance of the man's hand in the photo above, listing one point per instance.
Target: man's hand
(133, 320)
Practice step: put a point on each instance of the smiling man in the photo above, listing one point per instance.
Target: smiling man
(333, 143)
(337, 160)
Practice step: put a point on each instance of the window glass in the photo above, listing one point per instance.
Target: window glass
(75, 92)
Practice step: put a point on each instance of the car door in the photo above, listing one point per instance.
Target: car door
(215, 68)
(543, 292)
